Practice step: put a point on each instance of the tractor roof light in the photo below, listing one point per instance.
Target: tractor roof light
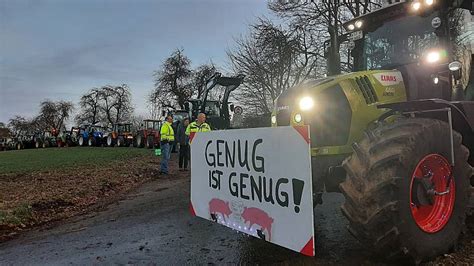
(416, 5)
(306, 103)
(429, 2)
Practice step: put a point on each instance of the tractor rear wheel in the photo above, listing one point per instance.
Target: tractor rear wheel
(403, 197)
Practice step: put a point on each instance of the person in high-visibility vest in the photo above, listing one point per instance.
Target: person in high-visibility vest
(199, 125)
(167, 136)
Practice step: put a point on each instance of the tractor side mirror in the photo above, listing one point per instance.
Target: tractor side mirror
(231, 107)
(163, 113)
(455, 68)
(186, 106)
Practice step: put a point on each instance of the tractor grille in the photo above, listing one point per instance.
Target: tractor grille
(366, 89)
(330, 126)
(283, 117)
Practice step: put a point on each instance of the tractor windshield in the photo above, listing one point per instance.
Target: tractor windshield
(397, 42)
(212, 108)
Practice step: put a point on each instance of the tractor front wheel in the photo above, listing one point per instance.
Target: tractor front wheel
(150, 143)
(110, 141)
(403, 196)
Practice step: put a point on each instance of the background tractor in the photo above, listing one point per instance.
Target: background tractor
(121, 135)
(90, 135)
(149, 135)
(396, 136)
(217, 111)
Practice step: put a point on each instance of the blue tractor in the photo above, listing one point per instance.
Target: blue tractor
(90, 135)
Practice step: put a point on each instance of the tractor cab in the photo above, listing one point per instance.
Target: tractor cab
(151, 124)
(421, 40)
(122, 128)
(217, 111)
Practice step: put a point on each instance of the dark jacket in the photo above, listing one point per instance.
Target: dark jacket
(181, 136)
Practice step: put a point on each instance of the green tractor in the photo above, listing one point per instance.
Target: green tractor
(394, 135)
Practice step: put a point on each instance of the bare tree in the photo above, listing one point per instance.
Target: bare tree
(172, 86)
(90, 107)
(200, 77)
(323, 19)
(115, 103)
(20, 125)
(272, 59)
(53, 114)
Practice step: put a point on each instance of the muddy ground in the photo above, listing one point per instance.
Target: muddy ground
(153, 225)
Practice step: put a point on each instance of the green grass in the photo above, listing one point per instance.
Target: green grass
(32, 160)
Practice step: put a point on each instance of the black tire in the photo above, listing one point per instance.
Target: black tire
(38, 144)
(377, 188)
(81, 141)
(120, 142)
(150, 143)
(110, 141)
(91, 142)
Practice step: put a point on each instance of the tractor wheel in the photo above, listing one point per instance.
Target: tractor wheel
(110, 141)
(150, 144)
(81, 141)
(18, 146)
(45, 144)
(139, 141)
(120, 142)
(403, 197)
(38, 144)
(91, 142)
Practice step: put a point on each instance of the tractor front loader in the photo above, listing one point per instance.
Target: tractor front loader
(396, 136)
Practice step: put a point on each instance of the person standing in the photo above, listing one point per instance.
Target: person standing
(167, 136)
(183, 141)
(199, 125)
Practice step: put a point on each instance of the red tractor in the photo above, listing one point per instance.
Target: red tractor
(149, 135)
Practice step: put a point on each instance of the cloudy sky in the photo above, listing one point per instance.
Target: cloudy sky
(58, 49)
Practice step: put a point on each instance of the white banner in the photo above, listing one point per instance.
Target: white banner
(257, 181)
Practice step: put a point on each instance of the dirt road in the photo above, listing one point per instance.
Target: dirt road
(153, 226)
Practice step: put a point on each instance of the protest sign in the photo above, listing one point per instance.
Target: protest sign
(257, 181)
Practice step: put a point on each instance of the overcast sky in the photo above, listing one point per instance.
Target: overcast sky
(59, 49)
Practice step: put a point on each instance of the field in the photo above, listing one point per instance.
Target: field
(38, 186)
(24, 161)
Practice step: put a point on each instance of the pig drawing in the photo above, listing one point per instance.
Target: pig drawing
(259, 217)
(219, 206)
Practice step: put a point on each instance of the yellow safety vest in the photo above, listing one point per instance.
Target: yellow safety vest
(195, 127)
(167, 132)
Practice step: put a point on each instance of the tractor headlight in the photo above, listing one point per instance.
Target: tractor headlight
(306, 103)
(433, 57)
(358, 24)
(429, 2)
(298, 118)
(416, 5)
(454, 66)
(274, 119)
(350, 27)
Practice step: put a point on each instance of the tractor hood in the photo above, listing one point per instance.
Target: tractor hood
(328, 104)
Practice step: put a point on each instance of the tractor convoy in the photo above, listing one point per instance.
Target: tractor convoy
(395, 136)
